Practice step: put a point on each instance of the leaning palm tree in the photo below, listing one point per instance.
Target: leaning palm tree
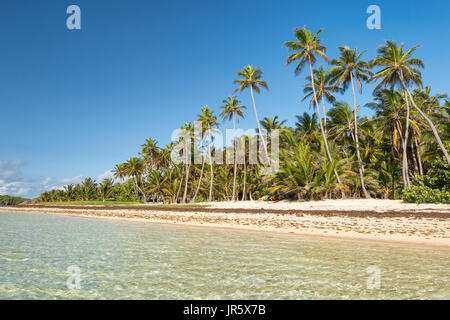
(232, 110)
(251, 79)
(208, 122)
(324, 90)
(307, 47)
(399, 68)
(348, 67)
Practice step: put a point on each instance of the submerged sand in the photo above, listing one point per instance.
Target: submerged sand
(381, 220)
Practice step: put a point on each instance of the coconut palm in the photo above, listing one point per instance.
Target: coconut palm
(252, 79)
(270, 124)
(399, 68)
(306, 47)
(324, 90)
(135, 167)
(188, 136)
(348, 67)
(306, 124)
(105, 189)
(150, 151)
(208, 121)
(341, 122)
(232, 110)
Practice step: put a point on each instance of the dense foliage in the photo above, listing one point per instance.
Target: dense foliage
(9, 200)
(432, 187)
(331, 153)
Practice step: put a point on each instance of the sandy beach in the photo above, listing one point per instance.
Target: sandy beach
(375, 220)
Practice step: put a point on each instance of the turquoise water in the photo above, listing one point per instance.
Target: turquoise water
(134, 260)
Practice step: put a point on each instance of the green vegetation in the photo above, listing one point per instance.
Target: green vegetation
(432, 187)
(333, 153)
(9, 200)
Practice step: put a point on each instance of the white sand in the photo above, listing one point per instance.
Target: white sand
(402, 229)
(368, 205)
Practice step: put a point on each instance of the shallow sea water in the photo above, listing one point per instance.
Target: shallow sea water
(121, 259)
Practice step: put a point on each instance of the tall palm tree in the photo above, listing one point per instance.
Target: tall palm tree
(208, 122)
(188, 131)
(398, 67)
(306, 48)
(348, 67)
(252, 79)
(323, 88)
(232, 110)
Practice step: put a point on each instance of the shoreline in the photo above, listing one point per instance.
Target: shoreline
(419, 227)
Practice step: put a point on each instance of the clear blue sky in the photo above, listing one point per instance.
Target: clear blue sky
(76, 102)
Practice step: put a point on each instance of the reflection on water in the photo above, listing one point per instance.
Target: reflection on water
(134, 260)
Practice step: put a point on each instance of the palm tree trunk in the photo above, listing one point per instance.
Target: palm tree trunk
(235, 156)
(143, 190)
(245, 176)
(324, 115)
(200, 180)
(405, 144)
(212, 169)
(186, 183)
(358, 154)
(419, 157)
(179, 189)
(321, 129)
(402, 143)
(259, 126)
(433, 128)
(413, 153)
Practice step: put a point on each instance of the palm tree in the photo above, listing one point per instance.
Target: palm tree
(150, 151)
(349, 66)
(272, 124)
(307, 47)
(307, 125)
(323, 88)
(105, 189)
(232, 110)
(341, 122)
(398, 67)
(188, 133)
(208, 121)
(252, 80)
(120, 171)
(89, 187)
(135, 168)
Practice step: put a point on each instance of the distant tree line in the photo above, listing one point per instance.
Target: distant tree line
(9, 200)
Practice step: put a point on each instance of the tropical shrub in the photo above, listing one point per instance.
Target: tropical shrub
(434, 187)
